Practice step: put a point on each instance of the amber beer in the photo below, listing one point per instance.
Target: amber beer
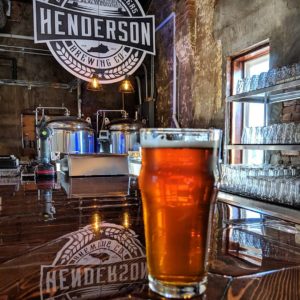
(177, 183)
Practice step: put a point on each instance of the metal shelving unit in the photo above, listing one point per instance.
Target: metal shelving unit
(283, 92)
(286, 91)
(277, 93)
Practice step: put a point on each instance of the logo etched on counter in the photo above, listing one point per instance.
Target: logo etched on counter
(110, 38)
(94, 264)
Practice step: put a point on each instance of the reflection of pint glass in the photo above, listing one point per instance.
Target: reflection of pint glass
(176, 181)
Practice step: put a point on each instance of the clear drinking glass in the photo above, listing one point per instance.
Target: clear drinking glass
(240, 86)
(271, 77)
(266, 134)
(255, 186)
(279, 75)
(251, 135)
(246, 136)
(293, 68)
(277, 133)
(254, 82)
(297, 70)
(247, 82)
(262, 80)
(287, 72)
(296, 198)
(290, 191)
(176, 183)
(286, 133)
(259, 135)
(290, 130)
(267, 188)
(297, 134)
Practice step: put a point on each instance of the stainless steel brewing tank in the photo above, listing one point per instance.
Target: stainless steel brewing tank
(71, 135)
(124, 135)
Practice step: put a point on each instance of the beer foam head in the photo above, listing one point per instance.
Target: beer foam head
(179, 138)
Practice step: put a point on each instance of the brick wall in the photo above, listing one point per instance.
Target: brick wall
(291, 111)
(199, 65)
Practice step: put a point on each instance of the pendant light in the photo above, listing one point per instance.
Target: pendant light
(94, 84)
(126, 86)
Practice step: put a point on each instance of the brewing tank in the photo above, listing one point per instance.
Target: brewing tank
(124, 135)
(70, 135)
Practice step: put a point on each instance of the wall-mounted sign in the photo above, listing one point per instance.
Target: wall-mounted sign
(107, 37)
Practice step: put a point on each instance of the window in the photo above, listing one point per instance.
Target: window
(247, 114)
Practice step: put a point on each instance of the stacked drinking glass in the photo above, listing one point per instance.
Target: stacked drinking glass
(270, 78)
(284, 133)
(274, 183)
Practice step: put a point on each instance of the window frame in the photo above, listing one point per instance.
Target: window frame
(236, 72)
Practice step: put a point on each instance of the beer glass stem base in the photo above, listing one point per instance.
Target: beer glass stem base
(177, 291)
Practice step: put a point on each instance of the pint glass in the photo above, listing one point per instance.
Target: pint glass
(176, 182)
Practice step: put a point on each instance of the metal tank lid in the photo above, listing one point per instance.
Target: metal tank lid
(125, 124)
(70, 123)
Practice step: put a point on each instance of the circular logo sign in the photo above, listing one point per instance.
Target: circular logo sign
(109, 38)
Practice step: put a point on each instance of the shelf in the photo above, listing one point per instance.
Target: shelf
(277, 93)
(247, 97)
(264, 147)
(288, 96)
(287, 214)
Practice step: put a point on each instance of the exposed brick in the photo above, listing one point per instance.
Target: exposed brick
(287, 117)
(296, 117)
(17, 9)
(296, 160)
(289, 109)
(288, 154)
(289, 103)
(285, 159)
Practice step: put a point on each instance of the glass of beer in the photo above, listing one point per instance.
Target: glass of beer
(177, 183)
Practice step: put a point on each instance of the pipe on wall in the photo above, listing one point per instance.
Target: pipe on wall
(21, 49)
(152, 78)
(24, 52)
(79, 100)
(172, 17)
(146, 81)
(138, 81)
(17, 36)
(37, 84)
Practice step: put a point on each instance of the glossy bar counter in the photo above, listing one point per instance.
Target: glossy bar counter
(83, 238)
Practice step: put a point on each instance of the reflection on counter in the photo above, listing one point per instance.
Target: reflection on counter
(105, 186)
(59, 246)
(134, 162)
(252, 242)
(96, 251)
(49, 210)
(96, 261)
